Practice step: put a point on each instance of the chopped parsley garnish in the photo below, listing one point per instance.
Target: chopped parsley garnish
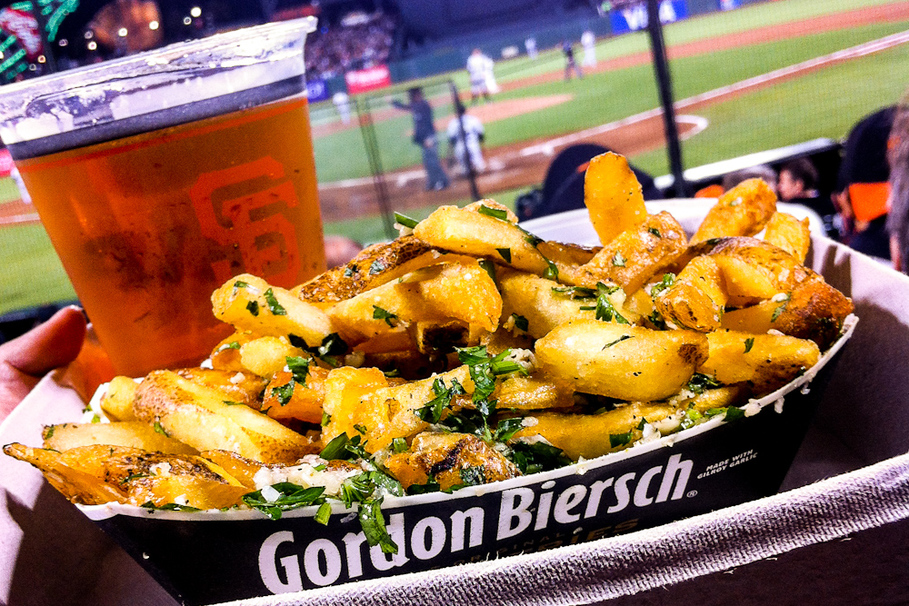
(382, 314)
(360, 428)
(253, 307)
(520, 322)
(432, 412)
(733, 413)
(405, 220)
(326, 418)
(619, 340)
(779, 310)
(167, 507)
(690, 418)
(749, 343)
(700, 382)
(274, 307)
(284, 393)
(667, 281)
(299, 367)
(619, 439)
(323, 514)
(537, 457)
(489, 267)
(505, 253)
(506, 428)
(605, 310)
(240, 284)
(618, 260)
(399, 445)
(350, 271)
(231, 403)
(575, 292)
(378, 266)
(373, 524)
(498, 213)
(134, 476)
(332, 346)
(231, 345)
(552, 270)
(654, 231)
(160, 429)
(290, 496)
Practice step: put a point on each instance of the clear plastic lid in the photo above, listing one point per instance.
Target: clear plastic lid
(170, 85)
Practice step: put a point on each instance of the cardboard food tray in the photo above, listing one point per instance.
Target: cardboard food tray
(728, 483)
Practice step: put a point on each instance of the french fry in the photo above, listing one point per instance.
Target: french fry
(438, 293)
(206, 419)
(790, 234)
(132, 434)
(742, 211)
(618, 361)
(613, 196)
(117, 401)
(635, 256)
(491, 236)
(697, 298)
(252, 304)
(765, 362)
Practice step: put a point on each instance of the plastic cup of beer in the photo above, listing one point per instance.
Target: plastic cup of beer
(161, 175)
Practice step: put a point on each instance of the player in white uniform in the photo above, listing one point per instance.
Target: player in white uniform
(589, 41)
(479, 68)
(474, 134)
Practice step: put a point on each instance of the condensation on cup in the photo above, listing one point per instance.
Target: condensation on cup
(161, 175)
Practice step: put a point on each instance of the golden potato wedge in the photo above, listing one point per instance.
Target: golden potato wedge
(252, 304)
(697, 298)
(790, 234)
(613, 196)
(813, 310)
(241, 387)
(532, 393)
(117, 401)
(588, 436)
(345, 387)
(765, 362)
(753, 270)
(619, 361)
(465, 231)
(539, 302)
(204, 418)
(373, 266)
(633, 257)
(438, 293)
(98, 474)
(267, 355)
(226, 354)
(132, 434)
(451, 459)
(301, 401)
(742, 211)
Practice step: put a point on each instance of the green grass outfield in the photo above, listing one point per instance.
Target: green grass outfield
(824, 103)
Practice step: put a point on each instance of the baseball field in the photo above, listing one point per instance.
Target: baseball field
(755, 78)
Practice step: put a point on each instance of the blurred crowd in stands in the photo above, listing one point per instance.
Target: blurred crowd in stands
(359, 41)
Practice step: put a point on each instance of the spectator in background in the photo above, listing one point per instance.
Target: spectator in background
(570, 64)
(467, 143)
(589, 42)
(798, 185)
(898, 219)
(862, 185)
(424, 136)
(339, 250)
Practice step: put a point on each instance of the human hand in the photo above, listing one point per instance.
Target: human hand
(24, 360)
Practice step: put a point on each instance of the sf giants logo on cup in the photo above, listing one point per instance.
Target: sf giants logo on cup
(242, 209)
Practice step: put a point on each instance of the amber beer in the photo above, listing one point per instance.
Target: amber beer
(148, 225)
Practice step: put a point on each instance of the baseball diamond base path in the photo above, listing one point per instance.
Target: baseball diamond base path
(524, 164)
